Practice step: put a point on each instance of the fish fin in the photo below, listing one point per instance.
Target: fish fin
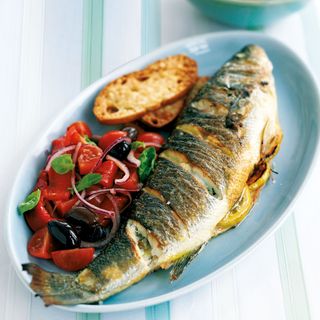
(53, 287)
(181, 264)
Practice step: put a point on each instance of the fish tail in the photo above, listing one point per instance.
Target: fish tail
(56, 288)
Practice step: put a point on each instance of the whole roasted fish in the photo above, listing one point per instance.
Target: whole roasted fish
(205, 182)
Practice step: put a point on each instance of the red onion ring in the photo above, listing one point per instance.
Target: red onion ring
(74, 159)
(122, 167)
(92, 196)
(82, 194)
(113, 191)
(105, 152)
(131, 158)
(76, 152)
(57, 154)
(85, 202)
(103, 190)
(115, 218)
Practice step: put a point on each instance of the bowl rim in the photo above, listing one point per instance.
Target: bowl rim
(89, 91)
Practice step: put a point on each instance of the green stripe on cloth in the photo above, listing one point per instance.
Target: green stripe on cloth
(92, 41)
(88, 316)
(291, 272)
(151, 39)
(158, 312)
(150, 25)
(91, 67)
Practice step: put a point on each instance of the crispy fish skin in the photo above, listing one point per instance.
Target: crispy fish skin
(223, 133)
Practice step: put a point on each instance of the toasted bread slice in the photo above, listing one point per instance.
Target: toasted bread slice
(164, 115)
(131, 96)
(168, 113)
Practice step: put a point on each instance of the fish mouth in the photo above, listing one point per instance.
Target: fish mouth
(181, 160)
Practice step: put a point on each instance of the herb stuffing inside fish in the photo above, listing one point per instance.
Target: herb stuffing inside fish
(205, 182)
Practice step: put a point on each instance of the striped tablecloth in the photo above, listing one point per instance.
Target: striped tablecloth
(51, 49)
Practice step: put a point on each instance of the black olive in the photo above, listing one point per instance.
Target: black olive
(120, 150)
(132, 132)
(80, 216)
(64, 234)
(86, 224)
(93, 233)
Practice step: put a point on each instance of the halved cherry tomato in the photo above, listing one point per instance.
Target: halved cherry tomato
(76, 132)
(38, 217)
(74, 137)
(108, 138)
(108, 169)
(81, 127)
(64, 207)
(151, 137)
(41, 244)
(58, 144)
(132, 182)
(74, 259)
(89, 156)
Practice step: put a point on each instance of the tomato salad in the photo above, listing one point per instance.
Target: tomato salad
(88, 181)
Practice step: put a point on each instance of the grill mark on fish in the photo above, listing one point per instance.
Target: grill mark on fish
(157, 194)
(213, 161)
(158, 219)
(196, 173)
(186, 196)
(182, 161)
(211, 139)
(213, 125)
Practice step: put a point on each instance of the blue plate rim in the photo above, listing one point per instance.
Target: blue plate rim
(89, 91)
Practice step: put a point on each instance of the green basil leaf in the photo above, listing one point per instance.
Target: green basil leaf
(137, 144)
(88, 180)
(147, 162)
(62, 164)
(30, 201)
(87, 139)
